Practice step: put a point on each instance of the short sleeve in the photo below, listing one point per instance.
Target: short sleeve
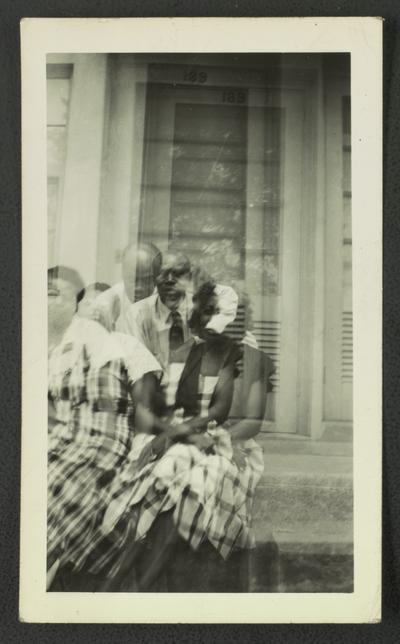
(137, 358)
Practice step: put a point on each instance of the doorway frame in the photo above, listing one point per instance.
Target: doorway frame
(293, 412)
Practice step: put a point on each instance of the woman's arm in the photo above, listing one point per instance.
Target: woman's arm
(149, 405)
(254, 405)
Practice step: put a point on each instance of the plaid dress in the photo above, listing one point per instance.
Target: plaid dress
(91, 434)
(209, 496)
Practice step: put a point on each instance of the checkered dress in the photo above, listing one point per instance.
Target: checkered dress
(211, 498)
(91, 436)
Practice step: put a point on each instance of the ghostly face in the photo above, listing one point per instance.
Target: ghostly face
(145, 280)
(128, 275)
(138, 274)
(61, 304)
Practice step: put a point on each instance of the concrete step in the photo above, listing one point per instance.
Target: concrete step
(306, 502)
(303, 518)
(295, 444)
(276, 572)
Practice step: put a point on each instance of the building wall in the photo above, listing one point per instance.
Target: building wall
(121, 177)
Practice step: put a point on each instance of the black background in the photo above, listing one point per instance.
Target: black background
(10, 313)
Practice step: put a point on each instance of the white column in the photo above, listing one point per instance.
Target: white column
(315, 388)
(82, 180)
(122, 176)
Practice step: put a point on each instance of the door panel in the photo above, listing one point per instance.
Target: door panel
(222, 182)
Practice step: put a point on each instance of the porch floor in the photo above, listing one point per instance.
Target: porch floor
(304, 502)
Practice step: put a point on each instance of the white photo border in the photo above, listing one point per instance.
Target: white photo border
(362, 38)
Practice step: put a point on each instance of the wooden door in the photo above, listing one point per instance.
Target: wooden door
(222, 181)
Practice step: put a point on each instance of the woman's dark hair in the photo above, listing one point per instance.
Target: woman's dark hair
(201, 298)
(99, 287)
(67, 274)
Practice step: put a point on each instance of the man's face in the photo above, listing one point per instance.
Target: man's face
(61, 304)
(174, 280)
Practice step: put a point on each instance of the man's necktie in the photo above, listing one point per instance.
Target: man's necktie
(176, 331)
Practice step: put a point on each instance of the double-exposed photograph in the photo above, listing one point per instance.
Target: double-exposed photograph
(200, 345)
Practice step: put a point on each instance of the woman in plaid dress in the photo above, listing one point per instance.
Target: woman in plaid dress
(90, 423)
(190, 506)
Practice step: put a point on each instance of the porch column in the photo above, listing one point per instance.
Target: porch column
(122, 173)
(82, 179)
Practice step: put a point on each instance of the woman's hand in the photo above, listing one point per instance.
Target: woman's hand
(203, 442)
(198, 424)
(239, 457)
(162, 442)
(182, 430)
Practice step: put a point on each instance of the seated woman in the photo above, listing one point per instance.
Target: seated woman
(197, 495)
(91, 416)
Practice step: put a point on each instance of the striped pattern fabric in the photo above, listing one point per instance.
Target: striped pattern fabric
(207, 385)
(171, 382)
(210, 496)
(89, 440)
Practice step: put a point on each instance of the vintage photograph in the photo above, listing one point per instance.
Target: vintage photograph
(202, 384)
(200, 344)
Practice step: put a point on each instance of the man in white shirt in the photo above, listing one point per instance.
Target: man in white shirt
(160, 320)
